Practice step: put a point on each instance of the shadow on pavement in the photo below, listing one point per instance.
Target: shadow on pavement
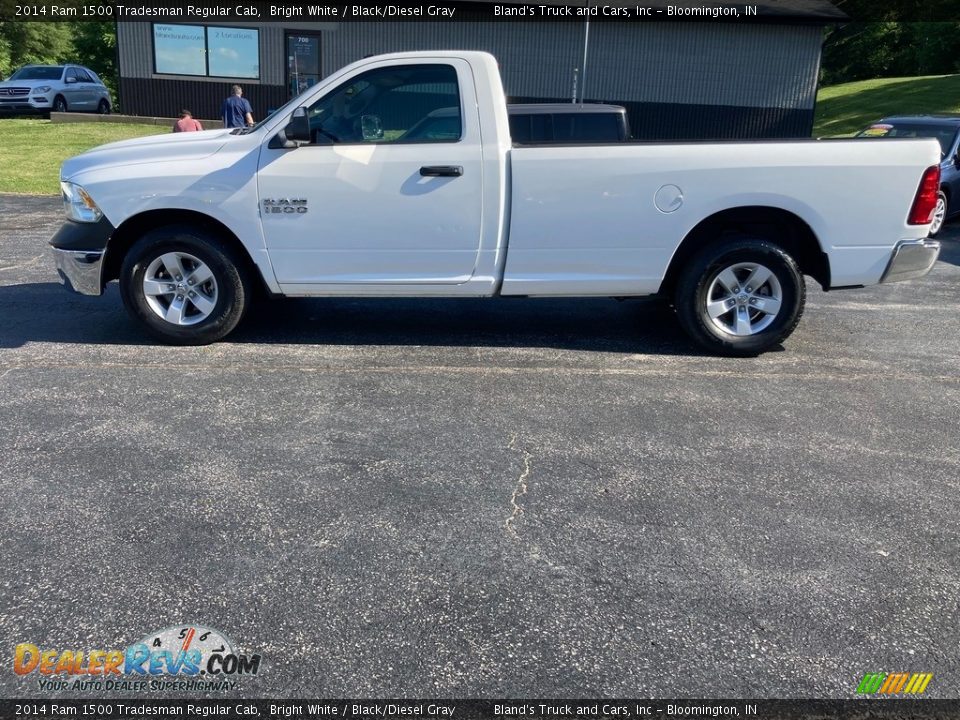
(46, 312)
(950, 245)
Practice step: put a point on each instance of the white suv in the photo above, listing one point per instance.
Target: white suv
(42, 88)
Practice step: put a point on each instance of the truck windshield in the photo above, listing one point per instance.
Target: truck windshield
(38, 73)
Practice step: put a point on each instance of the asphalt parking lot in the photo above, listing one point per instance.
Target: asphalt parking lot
(509, 498)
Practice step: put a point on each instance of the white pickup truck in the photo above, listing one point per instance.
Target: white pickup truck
(343, 192)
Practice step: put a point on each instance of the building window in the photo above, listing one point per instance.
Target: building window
(233, 52)
(180, 49)
(206, 51)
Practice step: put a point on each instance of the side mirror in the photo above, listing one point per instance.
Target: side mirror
(70, 80)
(298, 130)
(295, 134)
(371, 127)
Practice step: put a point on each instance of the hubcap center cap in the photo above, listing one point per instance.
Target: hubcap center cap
(742, 299)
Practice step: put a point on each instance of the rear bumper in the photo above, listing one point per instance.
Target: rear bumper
(911, 259)
(80, 270)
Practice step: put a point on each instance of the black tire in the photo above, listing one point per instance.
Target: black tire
(935, 229)
(696, 282)
(60, 104)
(103, 108)
(234, 289)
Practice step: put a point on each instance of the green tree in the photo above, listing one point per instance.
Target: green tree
(4, 55)
(34, 42)
(936, 47)
(95, 46)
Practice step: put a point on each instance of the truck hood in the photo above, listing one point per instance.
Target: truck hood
(167, 147)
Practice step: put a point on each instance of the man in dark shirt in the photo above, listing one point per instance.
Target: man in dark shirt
(236, 109)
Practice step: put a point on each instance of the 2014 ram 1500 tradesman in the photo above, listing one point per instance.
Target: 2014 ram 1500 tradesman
(331, 196)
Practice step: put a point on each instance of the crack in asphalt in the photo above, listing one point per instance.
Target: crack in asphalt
(519, 491)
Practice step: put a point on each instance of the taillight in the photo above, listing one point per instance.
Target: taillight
(926, 200)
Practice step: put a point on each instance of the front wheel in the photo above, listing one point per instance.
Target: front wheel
(939, 215)
(740, 297)
(184, 286)
(103, 108)
(59, 104)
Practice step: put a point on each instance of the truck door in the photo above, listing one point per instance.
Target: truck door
(389, 190)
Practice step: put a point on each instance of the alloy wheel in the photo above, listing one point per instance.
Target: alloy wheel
(744, 299)
(180, 288)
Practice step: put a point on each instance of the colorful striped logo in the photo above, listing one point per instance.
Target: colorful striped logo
(894, 683)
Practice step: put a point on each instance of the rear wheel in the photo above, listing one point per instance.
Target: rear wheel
(59, 104)
(103, 108)
(939, 214)
(184, 286)
(740, 297)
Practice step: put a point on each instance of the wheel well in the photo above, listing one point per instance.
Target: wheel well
(780, 227)
(134, 228)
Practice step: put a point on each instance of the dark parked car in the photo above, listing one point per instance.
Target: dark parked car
(946, 130)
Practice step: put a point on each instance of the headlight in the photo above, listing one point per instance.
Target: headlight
(78, 205)
(44, 89)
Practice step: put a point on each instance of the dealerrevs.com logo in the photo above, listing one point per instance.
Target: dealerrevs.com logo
(183, 657)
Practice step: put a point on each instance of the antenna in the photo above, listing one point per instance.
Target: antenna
(586, 46)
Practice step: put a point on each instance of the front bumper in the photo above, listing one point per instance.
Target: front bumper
(80, 270)
(78, 252)
(911, 259)
(25, 104)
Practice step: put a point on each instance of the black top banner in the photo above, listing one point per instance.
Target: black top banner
(819, 12)
(126, 709)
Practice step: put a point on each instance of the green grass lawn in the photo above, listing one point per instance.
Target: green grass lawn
(844, 109)
(31, 151)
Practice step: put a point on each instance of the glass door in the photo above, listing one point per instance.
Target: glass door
(303, 61)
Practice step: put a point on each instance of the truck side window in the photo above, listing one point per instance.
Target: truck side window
(586, 127)
(531, 128)
(399, 104)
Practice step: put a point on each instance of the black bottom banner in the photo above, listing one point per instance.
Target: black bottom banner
(886, 709)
